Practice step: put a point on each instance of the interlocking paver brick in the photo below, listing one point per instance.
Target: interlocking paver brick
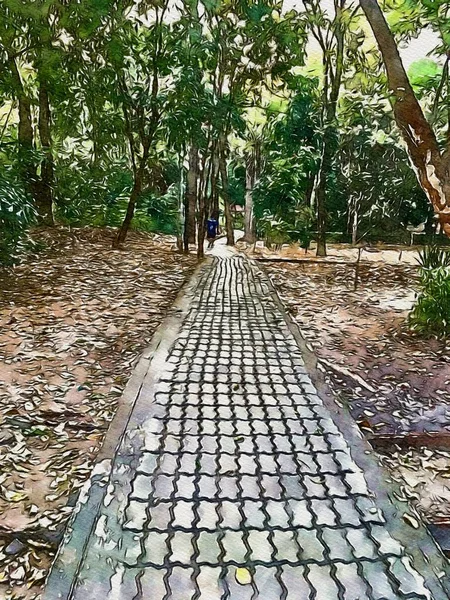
(323, 512)
(239, 463)
(295, 583)
(230, 514)
(267, 583)
(310, 546)
(136, 515)
(156, 547)
(285, 546)
(355, 587)
(151, 581)
(410, 582)
(321, 580)
(381, 587)
(260, 545)
(160, 516)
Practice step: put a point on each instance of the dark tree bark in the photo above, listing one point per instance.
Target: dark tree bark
(252, 168)
(134, 196)
(46, 182)
(25, 129)
(146, 135)
(226, 198)
(431, 165)
(190, 199)
(202, 208)
(25, 133)
(214, 194)
(135, 193)
(39, 187)
(249, 221)
(310, 189)
(321, 190)
(332, 86)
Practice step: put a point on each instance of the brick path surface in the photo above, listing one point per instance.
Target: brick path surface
(237, 484)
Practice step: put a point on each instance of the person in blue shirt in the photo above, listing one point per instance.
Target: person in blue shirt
(212, 229)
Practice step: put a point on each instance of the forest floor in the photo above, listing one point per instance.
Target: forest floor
(393, 382)
(73, 321)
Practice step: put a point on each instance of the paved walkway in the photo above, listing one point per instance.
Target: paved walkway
(236, 484)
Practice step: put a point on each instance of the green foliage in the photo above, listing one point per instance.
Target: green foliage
(374, 184)
(89, 195)
(274, 230)
(431, 314)
(292, 155)
(131, 80)
(158, 212)
(298, 228)
(433, 257)
(16, 215)
(424, 73)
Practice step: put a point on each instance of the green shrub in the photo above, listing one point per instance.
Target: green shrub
(431, 314)
(158, 212)
(274, 230)
(16, 214)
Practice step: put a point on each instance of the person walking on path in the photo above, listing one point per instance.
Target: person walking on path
(212, 229)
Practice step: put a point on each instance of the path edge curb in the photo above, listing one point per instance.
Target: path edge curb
(418, 542)
(65, 566)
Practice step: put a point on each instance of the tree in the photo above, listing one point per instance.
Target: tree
(292, 152)
(378, 191)
(430, 162)
(142, 57)
(330, 35)
(26, 35)
(253, 167)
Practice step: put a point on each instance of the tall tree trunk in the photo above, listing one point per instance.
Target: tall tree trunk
(201, 212)
(250, 178)
(310, 189)
(321, 191)
(47, 170)
(214, 198)
(25, 133)
(134, 196)
(354, 220)
(432, 167)
(25, 130)
(226, 198)
(190, 201)
(333, 79)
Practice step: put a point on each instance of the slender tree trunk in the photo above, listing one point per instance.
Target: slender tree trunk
(201, 225)
(47, 169)
(320, 193)
(25, 134)
(355, 219)
(432, 167)
(25, 130)
(249, 219)
(214, 198)
(310, 189)
(135, 193)
(333, 79)
(321, 217)
(226, 199)
(134, 196)
(190, 203)
(201, 212)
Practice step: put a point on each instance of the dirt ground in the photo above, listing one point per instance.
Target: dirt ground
(73, 321)
(392, 381)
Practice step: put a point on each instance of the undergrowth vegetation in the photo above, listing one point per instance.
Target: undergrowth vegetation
(431, 314)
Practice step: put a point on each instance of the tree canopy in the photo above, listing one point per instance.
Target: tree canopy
(157, 115)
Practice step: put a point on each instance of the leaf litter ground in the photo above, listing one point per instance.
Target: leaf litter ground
(73, 321)
(392, 381)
